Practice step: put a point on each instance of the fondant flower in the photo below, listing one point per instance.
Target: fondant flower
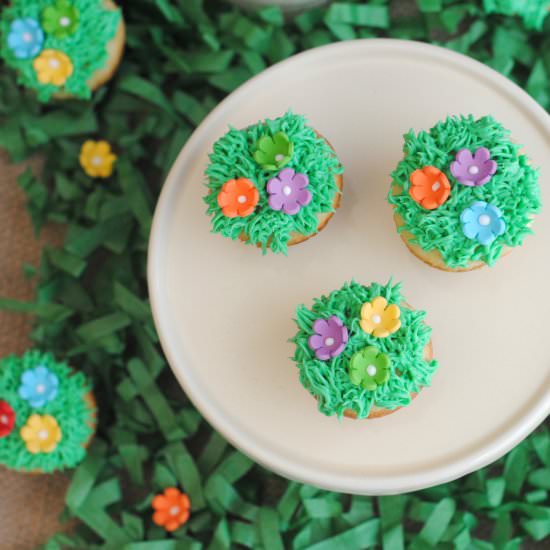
(473, 170)
(429, 187)
(482, 221)
(25, 38)
(238, 198)
(330, 338)
(369, 368)
(41, 433)
(380, 319)
(38, 386)
(287, 191)
(272, 153)
(171, 509)
(7, 419)
(53, 67)
(97, 159)
(60, 19)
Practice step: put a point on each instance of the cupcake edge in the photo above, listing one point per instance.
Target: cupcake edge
(82, 88)
(23, 461)
(414, 374)
(433, 256)
(297, 127)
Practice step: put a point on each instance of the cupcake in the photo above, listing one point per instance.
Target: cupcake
(463, 195)
(62, 48)
(274, 184)
(47, 414)
(362, 351)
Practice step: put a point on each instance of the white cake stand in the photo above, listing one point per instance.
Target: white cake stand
(224, 312)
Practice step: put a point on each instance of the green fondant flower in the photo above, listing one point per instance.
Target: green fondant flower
(60, 19)
(369, 368)
(272, 153)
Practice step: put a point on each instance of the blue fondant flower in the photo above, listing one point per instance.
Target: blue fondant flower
(25, 38)
(38, 386)
(482, 221)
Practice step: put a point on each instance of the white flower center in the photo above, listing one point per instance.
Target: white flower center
(279, 157)
(376, 318)
(241, 199)
(174, 511)
(436, 186)
(4, 419)
(371, 370)
(54, 63)
(473, 169)
(96, 161)
(329, 341)
(484, 220)
(287, 190)
(43, 435)
(40, 388)
(27, 37)
(65, 21)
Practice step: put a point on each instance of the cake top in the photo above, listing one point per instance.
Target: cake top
(271, 180)
(57, 45)
(464, 189)
(44, 418)
(362, 346)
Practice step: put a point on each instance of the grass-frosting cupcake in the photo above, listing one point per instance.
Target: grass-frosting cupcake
(47, 414)
(362, 351)
(62, 48)
(274, 184)
(464, 194)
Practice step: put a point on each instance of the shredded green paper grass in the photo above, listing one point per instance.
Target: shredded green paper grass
(91, 308)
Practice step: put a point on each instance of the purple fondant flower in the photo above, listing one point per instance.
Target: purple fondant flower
(287, 191)
(330, 338)
(473, 170)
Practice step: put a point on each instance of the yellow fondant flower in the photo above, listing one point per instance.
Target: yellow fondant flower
(53, 67)
(380, 319)
(41, 433)
(97, 159)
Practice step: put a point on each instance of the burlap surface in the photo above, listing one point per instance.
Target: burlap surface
(29, 504)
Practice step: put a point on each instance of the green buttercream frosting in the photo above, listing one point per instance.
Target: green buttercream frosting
(329, 381)
(233, 157)
(84, 41)
(72, 413)
(513, 189)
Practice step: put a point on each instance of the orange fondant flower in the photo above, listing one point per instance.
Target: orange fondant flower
(238, 198)
(53, 67)
(429, 187)
(171, 509)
